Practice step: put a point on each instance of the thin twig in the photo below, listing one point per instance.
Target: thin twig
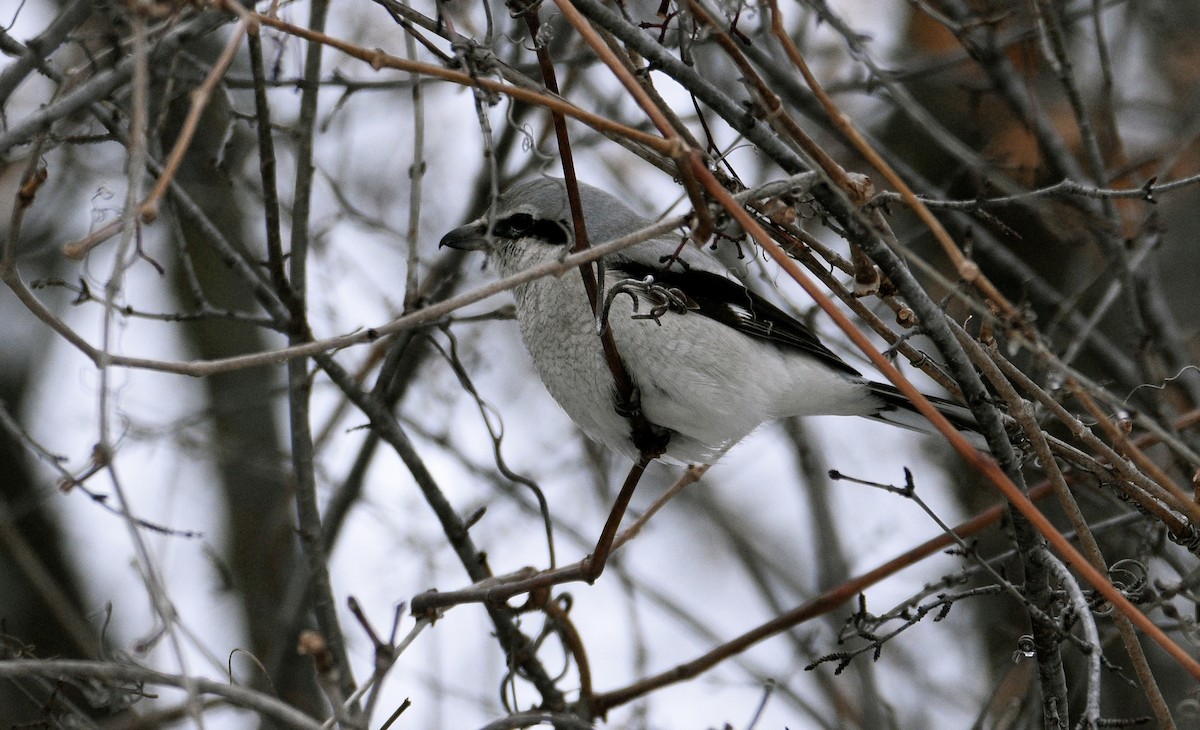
(122, 674)
(1083, 612)
(985, 465)
(200, 96)
(299, 389)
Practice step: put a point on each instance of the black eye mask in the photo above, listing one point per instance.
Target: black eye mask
(523, 225)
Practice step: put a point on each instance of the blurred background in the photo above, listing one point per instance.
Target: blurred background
(197, 526)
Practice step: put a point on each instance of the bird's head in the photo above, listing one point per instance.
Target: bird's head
(534, 219)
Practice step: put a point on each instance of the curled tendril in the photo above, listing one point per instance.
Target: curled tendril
(1189, 708)
(1189, 629)
(662, 299)
(1128, 575)
(1190, 540)
(1024, 650)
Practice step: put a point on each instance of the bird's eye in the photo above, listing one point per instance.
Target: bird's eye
(523, 225)
(514, 226)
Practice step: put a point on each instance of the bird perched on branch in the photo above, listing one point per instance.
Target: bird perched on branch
(709, 360)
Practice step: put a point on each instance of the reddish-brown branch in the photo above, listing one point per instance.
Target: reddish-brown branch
(378, 59)
(1120, 440)
(200, 96)
(822, 604)
(966, 268)
(981, 462)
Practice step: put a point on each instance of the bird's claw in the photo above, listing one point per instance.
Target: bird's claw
(649, 438)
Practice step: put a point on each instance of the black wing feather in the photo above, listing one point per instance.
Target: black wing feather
(735, 306)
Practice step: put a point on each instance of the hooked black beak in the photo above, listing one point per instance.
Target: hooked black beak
(471, 237)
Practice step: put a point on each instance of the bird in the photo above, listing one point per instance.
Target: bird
(709, 359)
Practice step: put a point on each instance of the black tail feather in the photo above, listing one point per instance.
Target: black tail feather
(896, 409)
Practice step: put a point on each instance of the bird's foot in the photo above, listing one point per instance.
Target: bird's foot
(650, 439)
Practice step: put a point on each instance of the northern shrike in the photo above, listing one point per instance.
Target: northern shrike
(710, 359)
